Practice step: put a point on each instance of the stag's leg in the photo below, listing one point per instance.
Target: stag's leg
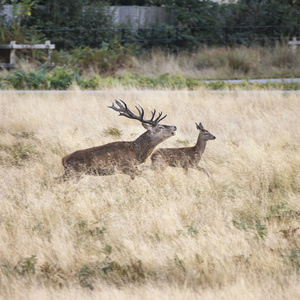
(60, 179)
(186, 170)
(132, 171)
(64, 177)
(161, 166)
(69, 175)
(73, 174)
(158, 163)
(101, 171)
(155, 165)
(145, 168)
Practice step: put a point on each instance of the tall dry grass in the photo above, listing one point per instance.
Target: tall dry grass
(168, 235)
(222, 63)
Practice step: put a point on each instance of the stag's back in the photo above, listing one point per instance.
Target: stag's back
(98, 157)
(124, 156)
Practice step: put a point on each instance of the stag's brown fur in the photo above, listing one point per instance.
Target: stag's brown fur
(186, 157)
(118, 156)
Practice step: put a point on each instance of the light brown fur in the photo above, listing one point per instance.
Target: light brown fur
(186, 157)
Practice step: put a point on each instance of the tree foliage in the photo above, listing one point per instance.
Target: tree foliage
(200, 21)
(71, 14)
(195, 13)
(206, 20)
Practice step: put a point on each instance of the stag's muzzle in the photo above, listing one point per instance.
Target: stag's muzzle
(174, 130)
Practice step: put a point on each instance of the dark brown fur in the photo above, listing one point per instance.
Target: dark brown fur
(118, 156)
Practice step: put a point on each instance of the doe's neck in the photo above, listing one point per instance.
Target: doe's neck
(200, 145)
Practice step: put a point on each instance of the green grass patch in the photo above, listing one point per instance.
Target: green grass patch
(62, 79)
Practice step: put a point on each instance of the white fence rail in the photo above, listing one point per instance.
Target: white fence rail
(294, 43)
(13, 46)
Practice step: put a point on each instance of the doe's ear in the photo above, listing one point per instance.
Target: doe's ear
(147, 126)
(200, 126)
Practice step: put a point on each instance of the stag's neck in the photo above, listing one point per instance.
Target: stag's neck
(200, 146)
(143, 147)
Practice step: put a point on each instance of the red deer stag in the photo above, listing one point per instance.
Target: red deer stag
(187, 157)
(120, 156)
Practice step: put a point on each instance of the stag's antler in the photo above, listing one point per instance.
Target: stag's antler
(126, 112)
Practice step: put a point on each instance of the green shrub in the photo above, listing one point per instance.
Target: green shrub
(61, 58)
(260, 229)
(26, 266)
(108, 59)
(61, 79)
(16, 80)
(58, 78)
(88, 83)
(216, 85)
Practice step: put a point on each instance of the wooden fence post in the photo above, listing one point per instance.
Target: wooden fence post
(47, 43)
(294, 44)
(12, 58)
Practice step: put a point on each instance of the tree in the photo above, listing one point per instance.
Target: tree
(20, 10)
(71, 14)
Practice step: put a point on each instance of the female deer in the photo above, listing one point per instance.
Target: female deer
(187, 157)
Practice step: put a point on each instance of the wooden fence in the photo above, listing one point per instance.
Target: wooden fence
(13, 46)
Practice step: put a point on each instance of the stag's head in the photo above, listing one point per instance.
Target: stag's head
(204, 134)
(157, 132)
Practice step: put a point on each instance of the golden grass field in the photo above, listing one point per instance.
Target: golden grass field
(163, 235)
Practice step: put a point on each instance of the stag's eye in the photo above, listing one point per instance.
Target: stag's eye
(161, 127)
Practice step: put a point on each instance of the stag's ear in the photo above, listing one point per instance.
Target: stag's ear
(147, 126)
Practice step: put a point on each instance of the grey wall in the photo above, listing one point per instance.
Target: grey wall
(6, 12)
(141, 16)
(132, 16)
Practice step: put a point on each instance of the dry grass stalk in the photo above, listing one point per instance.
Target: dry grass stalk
(163, 235)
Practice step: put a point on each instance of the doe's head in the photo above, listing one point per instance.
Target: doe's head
(204, 134)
